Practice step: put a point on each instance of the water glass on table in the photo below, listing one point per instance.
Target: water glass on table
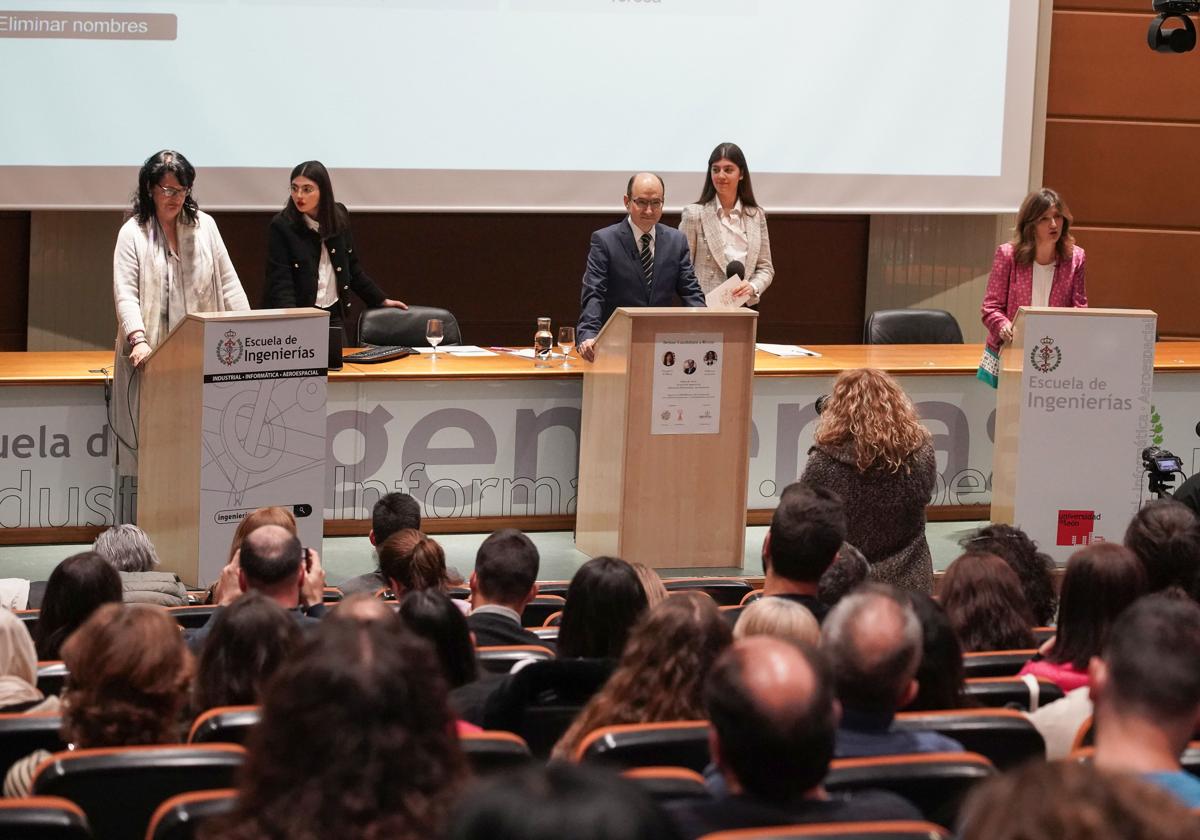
(566, 340)
(433, 334)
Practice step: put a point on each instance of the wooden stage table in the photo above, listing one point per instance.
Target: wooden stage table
(490, 441)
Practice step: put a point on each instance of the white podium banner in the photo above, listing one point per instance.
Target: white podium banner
(263, 433)
(1085, 387)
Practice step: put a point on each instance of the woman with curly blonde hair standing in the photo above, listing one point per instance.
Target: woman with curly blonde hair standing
(871, 449)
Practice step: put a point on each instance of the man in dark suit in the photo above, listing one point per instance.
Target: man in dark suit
(504, 581)
(636, 262)
(774, 719)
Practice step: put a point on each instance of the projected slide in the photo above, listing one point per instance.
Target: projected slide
(458, 103)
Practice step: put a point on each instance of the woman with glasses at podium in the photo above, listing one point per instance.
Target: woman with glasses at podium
(1040, 266)
(726, 226)
(310, 253)
(871, 449)
(169, 261)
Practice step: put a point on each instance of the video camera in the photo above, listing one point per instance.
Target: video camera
(1178, 39)
(1161, 466)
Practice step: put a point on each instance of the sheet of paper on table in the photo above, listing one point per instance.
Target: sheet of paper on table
(786, 350)
(458, 350)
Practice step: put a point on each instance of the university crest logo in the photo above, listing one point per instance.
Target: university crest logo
(1045, 356)
(229, 349)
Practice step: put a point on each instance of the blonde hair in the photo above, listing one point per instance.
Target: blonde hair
(656, 593)
(868, 409)
(256, 519)
(780, 618)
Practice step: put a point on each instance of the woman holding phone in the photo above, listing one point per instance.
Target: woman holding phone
(311, 259)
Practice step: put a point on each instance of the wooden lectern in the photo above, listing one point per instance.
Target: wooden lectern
(662, 472)
(232, 418)
(1071, 420)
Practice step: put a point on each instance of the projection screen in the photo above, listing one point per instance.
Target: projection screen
(503, 105)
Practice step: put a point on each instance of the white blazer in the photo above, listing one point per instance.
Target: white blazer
(702, 228)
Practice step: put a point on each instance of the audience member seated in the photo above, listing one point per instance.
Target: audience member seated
(986, 607)
(940, 676)
(873, 641)
(1165, 536)
(1100, 582)
(130, 677)
(394, 512)
(248, 642)
(661, 673)
(656, 592)
(132, 554)
(848, 571)
(1188, 493)
(1146, 690)
(436, 617)
(774, 721)
(272, 561)
(558, 802)
(1065, 800)
(18, 670)
(807, 529)
(504, 581)
(778, 617)
(356, 741)
(411, 562)
(604, 601)
(253, 520)
(1034, 569)
(77, 586)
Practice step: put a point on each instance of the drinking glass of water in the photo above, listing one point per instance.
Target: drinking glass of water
(566, 340)
(433, 334)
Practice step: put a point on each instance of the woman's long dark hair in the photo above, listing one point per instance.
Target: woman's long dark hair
(329, 216)
(356, 742)
(604, 601)
(250, 640)
(158, 166)
(77, 586)
(733, 154)
(940, 676)
(1024, 239)
(986, 607)
(433, 616)
(1100, 582)
(1034, 568)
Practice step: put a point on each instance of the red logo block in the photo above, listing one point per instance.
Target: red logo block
(1075, 527)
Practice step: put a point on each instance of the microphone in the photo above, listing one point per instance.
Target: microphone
(735, 267)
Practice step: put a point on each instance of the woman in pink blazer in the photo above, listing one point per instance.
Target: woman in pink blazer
(1041, 266)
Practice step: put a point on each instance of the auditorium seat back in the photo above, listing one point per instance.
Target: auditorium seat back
(491, 752)
(937, 783)
(120, 788)
(42, 818)
(21, 734)
(886, 830)
(1189, 759)
(666, 784)
(1012, 692)
(677, 743)
(51, 676)
(1004, 736)
(726, 591)
(180, 817)
(224, 725)
(541, 700)
(500, 659)
(388, 327)
(911, 326)
(540, 608)
(996, 663)
(193, 616)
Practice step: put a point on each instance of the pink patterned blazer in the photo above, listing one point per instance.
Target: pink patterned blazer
(1010, 286)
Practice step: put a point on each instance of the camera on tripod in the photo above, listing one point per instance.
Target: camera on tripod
(1178, 39)
(1161, 466)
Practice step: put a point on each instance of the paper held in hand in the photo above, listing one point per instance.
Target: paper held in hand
(722, 297)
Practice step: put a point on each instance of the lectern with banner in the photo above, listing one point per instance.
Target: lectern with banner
(232, 419)
(664, 449)
(1072, 419)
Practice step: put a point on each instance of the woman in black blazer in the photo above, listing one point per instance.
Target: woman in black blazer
(310, 252)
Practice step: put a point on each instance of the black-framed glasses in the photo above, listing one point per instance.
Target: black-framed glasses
(648, 203)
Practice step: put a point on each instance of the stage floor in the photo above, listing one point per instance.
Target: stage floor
(346, 557)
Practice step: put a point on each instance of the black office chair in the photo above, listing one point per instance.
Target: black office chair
(911, 326)
(388, 327)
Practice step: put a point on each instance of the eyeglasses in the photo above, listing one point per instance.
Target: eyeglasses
(171, 192)
(648, 204)
(306, 189)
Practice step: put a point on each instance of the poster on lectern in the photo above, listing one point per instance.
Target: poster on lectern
(1085, 389)
(263, 433)
(687, 384)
